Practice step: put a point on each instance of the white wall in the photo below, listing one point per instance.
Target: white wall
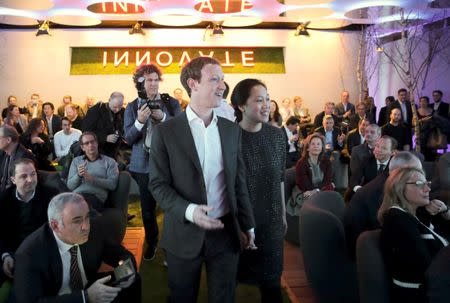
(317, 68)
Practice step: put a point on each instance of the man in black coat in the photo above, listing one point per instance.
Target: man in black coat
(49, 267)
(291, 137)
(439, 106)
(106, 121)
(334, 138)
(10, 150)
(23, 209)
(398, 130)
(52, 121)
(404, 105)
(328, 110)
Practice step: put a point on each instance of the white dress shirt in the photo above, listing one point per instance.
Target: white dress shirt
(225, 111)
(65, 258)
(209, 151)
(291, 144)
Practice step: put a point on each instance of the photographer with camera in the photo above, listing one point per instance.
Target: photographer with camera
(141, 115)
(105, 120)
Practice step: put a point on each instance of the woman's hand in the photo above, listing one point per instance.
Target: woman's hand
(435, 207)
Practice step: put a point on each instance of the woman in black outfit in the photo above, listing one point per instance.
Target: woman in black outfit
(408, 240)
(36, 140)
(275, 118)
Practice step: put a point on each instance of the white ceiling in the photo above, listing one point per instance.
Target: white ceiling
(321, 13)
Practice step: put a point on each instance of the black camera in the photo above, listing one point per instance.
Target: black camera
(152, 104)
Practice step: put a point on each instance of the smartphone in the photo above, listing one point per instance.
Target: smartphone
(123, 272)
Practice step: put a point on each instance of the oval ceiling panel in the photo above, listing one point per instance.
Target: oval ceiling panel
(372, 12)
(75, 20)
(329, 23)
(309, 13)
(27, 4)
(116, 8)
(223, 6)
(17, 20)
(176, 20)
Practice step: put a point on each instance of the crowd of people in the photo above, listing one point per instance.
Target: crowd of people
(217, 172)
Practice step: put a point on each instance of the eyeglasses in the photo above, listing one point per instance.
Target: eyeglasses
(421, 184)
(88, 142)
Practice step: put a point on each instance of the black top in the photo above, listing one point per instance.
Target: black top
(40, 150)
(264, 156)
(401, 133)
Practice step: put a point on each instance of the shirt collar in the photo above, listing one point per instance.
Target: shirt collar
(62, 246)
(383, 163)
(20, 199)
(192, 116)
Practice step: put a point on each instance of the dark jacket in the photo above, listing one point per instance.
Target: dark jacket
(336, 134)
(396, 104)
(41, 151)
(56, 123)
(319, 117)
(443, 109)
(383, 116)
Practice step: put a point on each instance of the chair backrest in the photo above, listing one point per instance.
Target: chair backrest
(52, 179)
(328, 268)
(443, 177)
(118, 198)
(373, 278)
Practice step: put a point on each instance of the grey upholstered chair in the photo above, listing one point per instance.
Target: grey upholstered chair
(373, 279)
(328, 268)
(292, 221)
(442, 178)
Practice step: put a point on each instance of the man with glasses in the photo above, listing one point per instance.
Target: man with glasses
(93, 174)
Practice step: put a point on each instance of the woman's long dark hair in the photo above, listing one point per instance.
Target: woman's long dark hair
(241, 93)
(32, 126)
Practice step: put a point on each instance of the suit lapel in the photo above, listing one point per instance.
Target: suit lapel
(182, 132)
(55, 257)
(225, 141)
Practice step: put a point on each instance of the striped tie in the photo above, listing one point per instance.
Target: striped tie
(76, 283)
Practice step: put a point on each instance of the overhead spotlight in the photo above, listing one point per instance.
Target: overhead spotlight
(137, 29)
(44, 28)
(301, 29)
(380, 49)
(215, 29)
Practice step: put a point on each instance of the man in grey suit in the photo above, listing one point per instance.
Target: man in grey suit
(197, 174)
(344, 109)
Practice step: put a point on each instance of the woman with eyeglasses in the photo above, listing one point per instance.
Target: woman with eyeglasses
(408, 239)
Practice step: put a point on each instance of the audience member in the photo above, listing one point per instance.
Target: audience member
(439, 106)
(64, 139)
(62, 109)
(93, 174)
(344, 109)
(138, 118)
(90, 101)
(334, 139)
(52, 121)
(373, 165)
(363, 151)
(59, 262)
(262, 143)
(398, 130)
(371, 109)
(361, 212)
(11, 149)
(36, 140)
(12, 100)
(178, 94)
(198, 176)
(328, 110)
(34, 107)
(225, 110)
(74, 117)
(383, 116)
(408, 241)
(404, 105)
(355, 138)
(105, 120)
(300, 111)
(291, 138)
(424, 110)
(275, 118)
(359, 115)
(16, 119)
(313, 171)
(286, 109)
(23, 209)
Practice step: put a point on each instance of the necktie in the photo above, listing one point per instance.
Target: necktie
(381, 169)
(76, 283)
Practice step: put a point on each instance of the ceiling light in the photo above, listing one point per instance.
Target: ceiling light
(301, 29)
(137, 29)
(217, 29)
(44, 28)
(380, 49)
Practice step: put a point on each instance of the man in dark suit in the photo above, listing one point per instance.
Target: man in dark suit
(383, 116)
(439, 106)
(328, 110)
(355, 137)
(363, 151)
(361, 212)
(52, 121)
(10, 150)
(197, 174)
(373, 166)
(59, 261)
(359, 115)
(139, 120)
(344, 109)
(291, 137)
(404, 105)
(398, 130)
(23, 209)
(106, 121)
(334, 139)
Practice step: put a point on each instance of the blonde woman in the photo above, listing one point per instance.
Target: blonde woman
(286, 109)
(408, 240)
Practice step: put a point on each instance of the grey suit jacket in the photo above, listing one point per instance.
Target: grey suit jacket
(176, 180)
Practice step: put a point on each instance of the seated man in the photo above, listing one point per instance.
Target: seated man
(10, 150)
(328, 110)
(92, 175)
(334, 139)
(23, 209)
(64, 139)
(362, 152)
(290, 132)
(74, 117)
(59, 261)
(396, 129)
(354, 138)
(373, 166)
(359, 115)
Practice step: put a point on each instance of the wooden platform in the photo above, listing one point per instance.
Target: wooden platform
(294, 277)
(134, 242)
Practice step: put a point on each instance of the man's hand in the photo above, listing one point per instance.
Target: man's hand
(88, 177)
(249, 240)
(112, 138)
(143, 113)
(8, 266)
(127, 283)
(99, 292)
(347, 113)
(157, 114)
(202, 220)
(37, 140)
(81, 170)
